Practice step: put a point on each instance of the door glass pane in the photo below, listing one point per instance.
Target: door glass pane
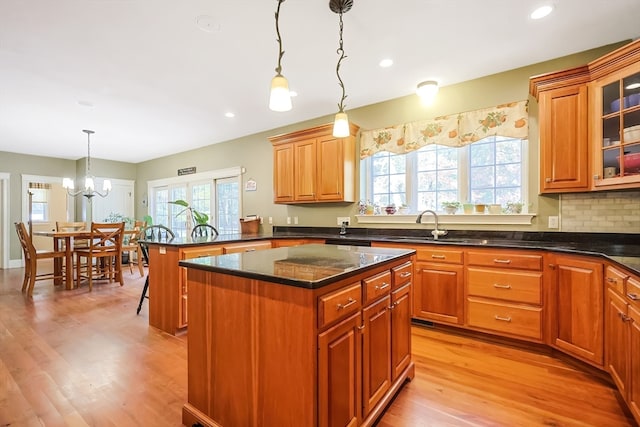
(178, 214)
(228, 206)
(161, 207)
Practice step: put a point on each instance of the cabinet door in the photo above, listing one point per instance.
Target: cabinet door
(330, 180)
(376, 353)
(247, 246)
(634, 372)
(438, 293)
(339, 374)
(283, 173)
(617, 340)
(564, 155)
(400, 330)
(579, 297)
(304, 171)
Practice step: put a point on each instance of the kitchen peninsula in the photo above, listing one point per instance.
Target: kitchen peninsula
(312, 335)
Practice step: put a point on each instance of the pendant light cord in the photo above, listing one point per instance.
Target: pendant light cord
(279, 67)
(340, 52)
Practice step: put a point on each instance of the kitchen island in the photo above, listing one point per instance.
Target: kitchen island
(313, 335)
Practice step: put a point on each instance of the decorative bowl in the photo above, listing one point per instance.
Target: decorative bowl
(631, 162)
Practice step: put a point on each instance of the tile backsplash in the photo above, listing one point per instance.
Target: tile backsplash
(607, 212)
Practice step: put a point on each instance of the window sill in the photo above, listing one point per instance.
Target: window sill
(500, 219)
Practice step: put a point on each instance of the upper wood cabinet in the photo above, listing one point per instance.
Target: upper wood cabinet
(311, 166)
(590, 123)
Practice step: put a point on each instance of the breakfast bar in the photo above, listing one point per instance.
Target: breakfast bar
(312, 335)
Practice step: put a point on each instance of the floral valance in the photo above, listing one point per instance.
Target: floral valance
(456, 130)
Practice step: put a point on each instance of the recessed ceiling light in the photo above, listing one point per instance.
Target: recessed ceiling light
(541, 12)
(293, 93)
(387, 62)
(207, 23)
(229, 114)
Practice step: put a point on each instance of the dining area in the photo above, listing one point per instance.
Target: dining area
(81, 254)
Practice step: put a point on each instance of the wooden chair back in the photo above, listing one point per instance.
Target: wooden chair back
(204, 230)
(27, 245)
(70, 226)
(106, 238)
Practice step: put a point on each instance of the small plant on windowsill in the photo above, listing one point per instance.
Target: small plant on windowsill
(451, 207)
(514, 207)
(197, 217)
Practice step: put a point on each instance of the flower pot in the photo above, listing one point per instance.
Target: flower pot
(450, 209)
(480, 208)
(495, 209)
(467, 208)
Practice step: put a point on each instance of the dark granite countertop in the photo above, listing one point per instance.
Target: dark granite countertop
(622, 248)
(308, 266)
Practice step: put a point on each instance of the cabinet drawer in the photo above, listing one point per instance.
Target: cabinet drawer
(449, 256)
(338, 304)
(633, 291)
(507, 285)
(505, 259)
(247, 247)
(524, 321)
(202, 252)
(401, 274)
(376, 286)
(615, 279)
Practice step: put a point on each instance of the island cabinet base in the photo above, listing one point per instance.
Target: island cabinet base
(254, 356)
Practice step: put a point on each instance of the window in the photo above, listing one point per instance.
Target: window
(487, 171)
(39, 204)
(215, 193)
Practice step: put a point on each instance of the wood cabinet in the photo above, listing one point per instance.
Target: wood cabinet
(281, 243)
(338, 363)
(577, 295)
(312, 166)
(247, 246)
(589, 120)
(504, 292)
(564, 143)
(622, 337)
(439, 285)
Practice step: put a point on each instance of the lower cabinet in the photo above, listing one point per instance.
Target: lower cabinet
(363, 358)
(439, 285)
(577, 295)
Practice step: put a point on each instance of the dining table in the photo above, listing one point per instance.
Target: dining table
(64, 239)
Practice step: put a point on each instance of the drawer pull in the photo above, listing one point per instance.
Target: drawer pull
(405, 274)
(251, 250)
(502, 319)
(633, 297)
(502, 261)
(624, 317)
(612, 280)
(385, 285)
(499, 286)
(361, 328)
(438, 257)
(350, 302)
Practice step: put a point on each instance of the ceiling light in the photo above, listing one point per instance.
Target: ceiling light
(385, 63)
(341, 122)
(280, 99)
(229, 115)
(89, 186)
(427, 91)
(541, 12)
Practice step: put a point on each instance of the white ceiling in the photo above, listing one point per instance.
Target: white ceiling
(151, 83)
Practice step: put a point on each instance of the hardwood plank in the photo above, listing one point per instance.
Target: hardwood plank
(80, 358)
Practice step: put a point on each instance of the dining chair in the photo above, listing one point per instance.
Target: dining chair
(74, 226)
(153, 233)
(31, 258)
(204, 230)
(103, 257)
(131, 246)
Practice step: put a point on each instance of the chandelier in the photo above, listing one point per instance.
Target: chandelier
(89, 186)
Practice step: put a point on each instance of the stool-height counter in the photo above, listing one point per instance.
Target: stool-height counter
(314, 335)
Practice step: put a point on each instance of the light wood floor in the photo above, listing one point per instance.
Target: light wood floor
(77, 358)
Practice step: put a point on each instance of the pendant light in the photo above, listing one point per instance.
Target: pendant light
(280, 99)
(341, 122)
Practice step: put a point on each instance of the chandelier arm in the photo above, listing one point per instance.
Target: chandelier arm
(340, 52)
(279, 39)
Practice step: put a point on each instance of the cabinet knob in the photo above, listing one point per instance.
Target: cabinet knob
(547, 180)
(552, 266)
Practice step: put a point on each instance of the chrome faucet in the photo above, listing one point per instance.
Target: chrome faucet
(435, 233)
(343, 228)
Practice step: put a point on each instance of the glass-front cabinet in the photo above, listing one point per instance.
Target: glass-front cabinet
(616, 128)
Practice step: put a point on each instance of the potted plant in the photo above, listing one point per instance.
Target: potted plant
(451, 207)
(195, 216)
(403, 209)
(514, 207)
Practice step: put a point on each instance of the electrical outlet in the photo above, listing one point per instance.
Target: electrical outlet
(295, 220)
(270, 220)
(289, 220)
(342, 219)
(553, 222)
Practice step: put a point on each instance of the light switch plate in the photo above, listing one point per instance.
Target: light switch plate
(553, 222)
